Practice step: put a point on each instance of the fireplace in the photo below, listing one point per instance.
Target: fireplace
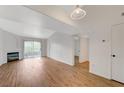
(13, 56)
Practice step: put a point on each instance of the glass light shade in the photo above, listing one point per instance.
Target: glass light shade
(78, 14)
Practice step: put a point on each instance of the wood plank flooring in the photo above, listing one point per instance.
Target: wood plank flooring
(45, 72)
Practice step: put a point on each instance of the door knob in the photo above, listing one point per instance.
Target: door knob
(113, 55)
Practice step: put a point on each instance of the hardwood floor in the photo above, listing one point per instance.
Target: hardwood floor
(45, 72)
(84, 66)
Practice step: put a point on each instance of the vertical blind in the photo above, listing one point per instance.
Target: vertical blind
(32, 49)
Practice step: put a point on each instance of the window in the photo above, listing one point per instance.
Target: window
(32, 49)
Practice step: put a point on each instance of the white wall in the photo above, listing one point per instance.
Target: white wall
(97, 23)
(44, 47)
(1, 47)
(100, 53)
(9, 43)
(13, 43)
(77, 47)
(61, 48)
(84, 49)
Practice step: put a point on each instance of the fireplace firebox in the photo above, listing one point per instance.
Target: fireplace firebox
(13, 56)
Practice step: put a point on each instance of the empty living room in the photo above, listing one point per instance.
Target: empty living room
(74, 45)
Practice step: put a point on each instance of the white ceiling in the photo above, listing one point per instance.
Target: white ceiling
(23, 21)
(97, 16)
(43, 21)
(59, 12)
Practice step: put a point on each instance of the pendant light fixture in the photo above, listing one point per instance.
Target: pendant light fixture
(78, 13)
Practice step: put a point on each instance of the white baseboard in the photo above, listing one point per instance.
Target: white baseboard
(62, 61)
(100, 75)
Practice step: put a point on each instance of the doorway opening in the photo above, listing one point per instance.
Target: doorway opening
(32, 49)
(81, 52)
(77, 49)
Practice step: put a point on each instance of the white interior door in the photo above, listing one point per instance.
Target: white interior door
(118, 53)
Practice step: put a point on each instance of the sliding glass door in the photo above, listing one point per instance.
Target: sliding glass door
(32, 49)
